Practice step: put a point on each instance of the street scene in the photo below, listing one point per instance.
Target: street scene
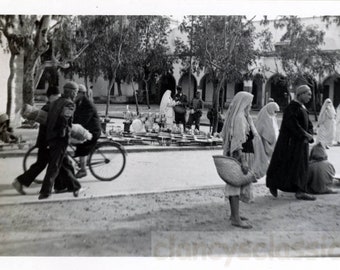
(166, 137)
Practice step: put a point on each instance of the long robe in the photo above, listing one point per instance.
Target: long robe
(288, 167)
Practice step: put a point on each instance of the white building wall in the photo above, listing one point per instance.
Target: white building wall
(4, 74)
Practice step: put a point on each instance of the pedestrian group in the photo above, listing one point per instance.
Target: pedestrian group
(260, 147)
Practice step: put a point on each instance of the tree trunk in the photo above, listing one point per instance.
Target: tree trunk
(216, 97)
(147, 93)
(111, 83)
(136, 97)
(14, 89)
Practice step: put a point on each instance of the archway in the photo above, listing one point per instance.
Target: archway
(277, 89)
(257, 90)
(189, 87)
(166, 82)
(331, 89)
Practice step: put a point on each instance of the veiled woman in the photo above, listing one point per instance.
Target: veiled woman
(237, 133)
(267, 127)
(326, 124)
(166, 108)
(320, 172)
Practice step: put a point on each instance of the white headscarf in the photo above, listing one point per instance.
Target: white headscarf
(266, 122)
(166, 100)
(327, 111)
(237, 123)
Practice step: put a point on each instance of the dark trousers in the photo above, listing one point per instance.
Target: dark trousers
(194, 118)
(180, 118)
(29, 176)
(58, 164)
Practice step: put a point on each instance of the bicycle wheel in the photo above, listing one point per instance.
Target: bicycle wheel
(30, 158)
(107, 161)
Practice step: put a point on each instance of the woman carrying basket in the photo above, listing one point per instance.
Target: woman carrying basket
(237, 133)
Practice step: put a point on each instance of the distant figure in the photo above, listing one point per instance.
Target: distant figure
(337, 133)
(166, 108)
(320, 172)
(288, 167)
(326, 124)
(267, 127)
(180, 108)
(196, 108)
(90, 93)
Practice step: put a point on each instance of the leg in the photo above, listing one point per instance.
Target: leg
(67, 172)
(56, 153)
(82, 172)
(29, 176)
(235, 218)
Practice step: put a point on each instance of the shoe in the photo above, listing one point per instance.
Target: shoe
(76, 193)
(273, 191)
(304, 196)
(18, 187)
(43, 196)
(81, 173)
(331, 191)
(61, 190)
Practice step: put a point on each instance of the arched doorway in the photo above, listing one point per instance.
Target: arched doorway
(277, 89)
(238, 87)
(257, 88)
(331, 89)
(166, 82)
(189, 87)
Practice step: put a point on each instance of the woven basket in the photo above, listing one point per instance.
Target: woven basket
(229, 169)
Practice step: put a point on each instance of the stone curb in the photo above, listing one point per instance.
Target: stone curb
(129, 149)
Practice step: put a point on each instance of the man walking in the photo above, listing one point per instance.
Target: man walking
(289, 164)
(59, 124)
(27, 178)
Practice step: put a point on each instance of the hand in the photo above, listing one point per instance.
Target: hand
(244, 168)
(310, 138)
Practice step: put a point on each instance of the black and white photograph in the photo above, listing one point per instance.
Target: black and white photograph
(161, 135)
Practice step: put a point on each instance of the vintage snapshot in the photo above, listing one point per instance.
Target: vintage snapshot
(177, 133)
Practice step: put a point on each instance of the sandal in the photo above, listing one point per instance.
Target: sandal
(242, 225)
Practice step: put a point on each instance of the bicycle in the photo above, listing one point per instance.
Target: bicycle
(106, 161)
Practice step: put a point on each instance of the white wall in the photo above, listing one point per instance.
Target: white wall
(4, 74)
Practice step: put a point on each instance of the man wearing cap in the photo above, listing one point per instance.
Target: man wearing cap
(59, 124)
(288, 167)
(29, 176)
(87, 116)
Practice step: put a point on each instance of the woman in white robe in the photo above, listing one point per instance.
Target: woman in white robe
(267, 128)
(166, 108)
(326, 124)
(337, 133)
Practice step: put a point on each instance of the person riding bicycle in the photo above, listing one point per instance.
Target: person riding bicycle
(27, 178)
(87, 116)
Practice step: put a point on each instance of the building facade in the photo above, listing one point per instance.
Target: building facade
(264, 83)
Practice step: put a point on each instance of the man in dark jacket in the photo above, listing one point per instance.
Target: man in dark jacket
(180, 108)
(27, 178)
(87, 116)
(59, 124)
(288, 167)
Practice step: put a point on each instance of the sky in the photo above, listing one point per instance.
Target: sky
(178, 8)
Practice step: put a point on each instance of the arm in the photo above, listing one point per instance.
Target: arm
(295, 128)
